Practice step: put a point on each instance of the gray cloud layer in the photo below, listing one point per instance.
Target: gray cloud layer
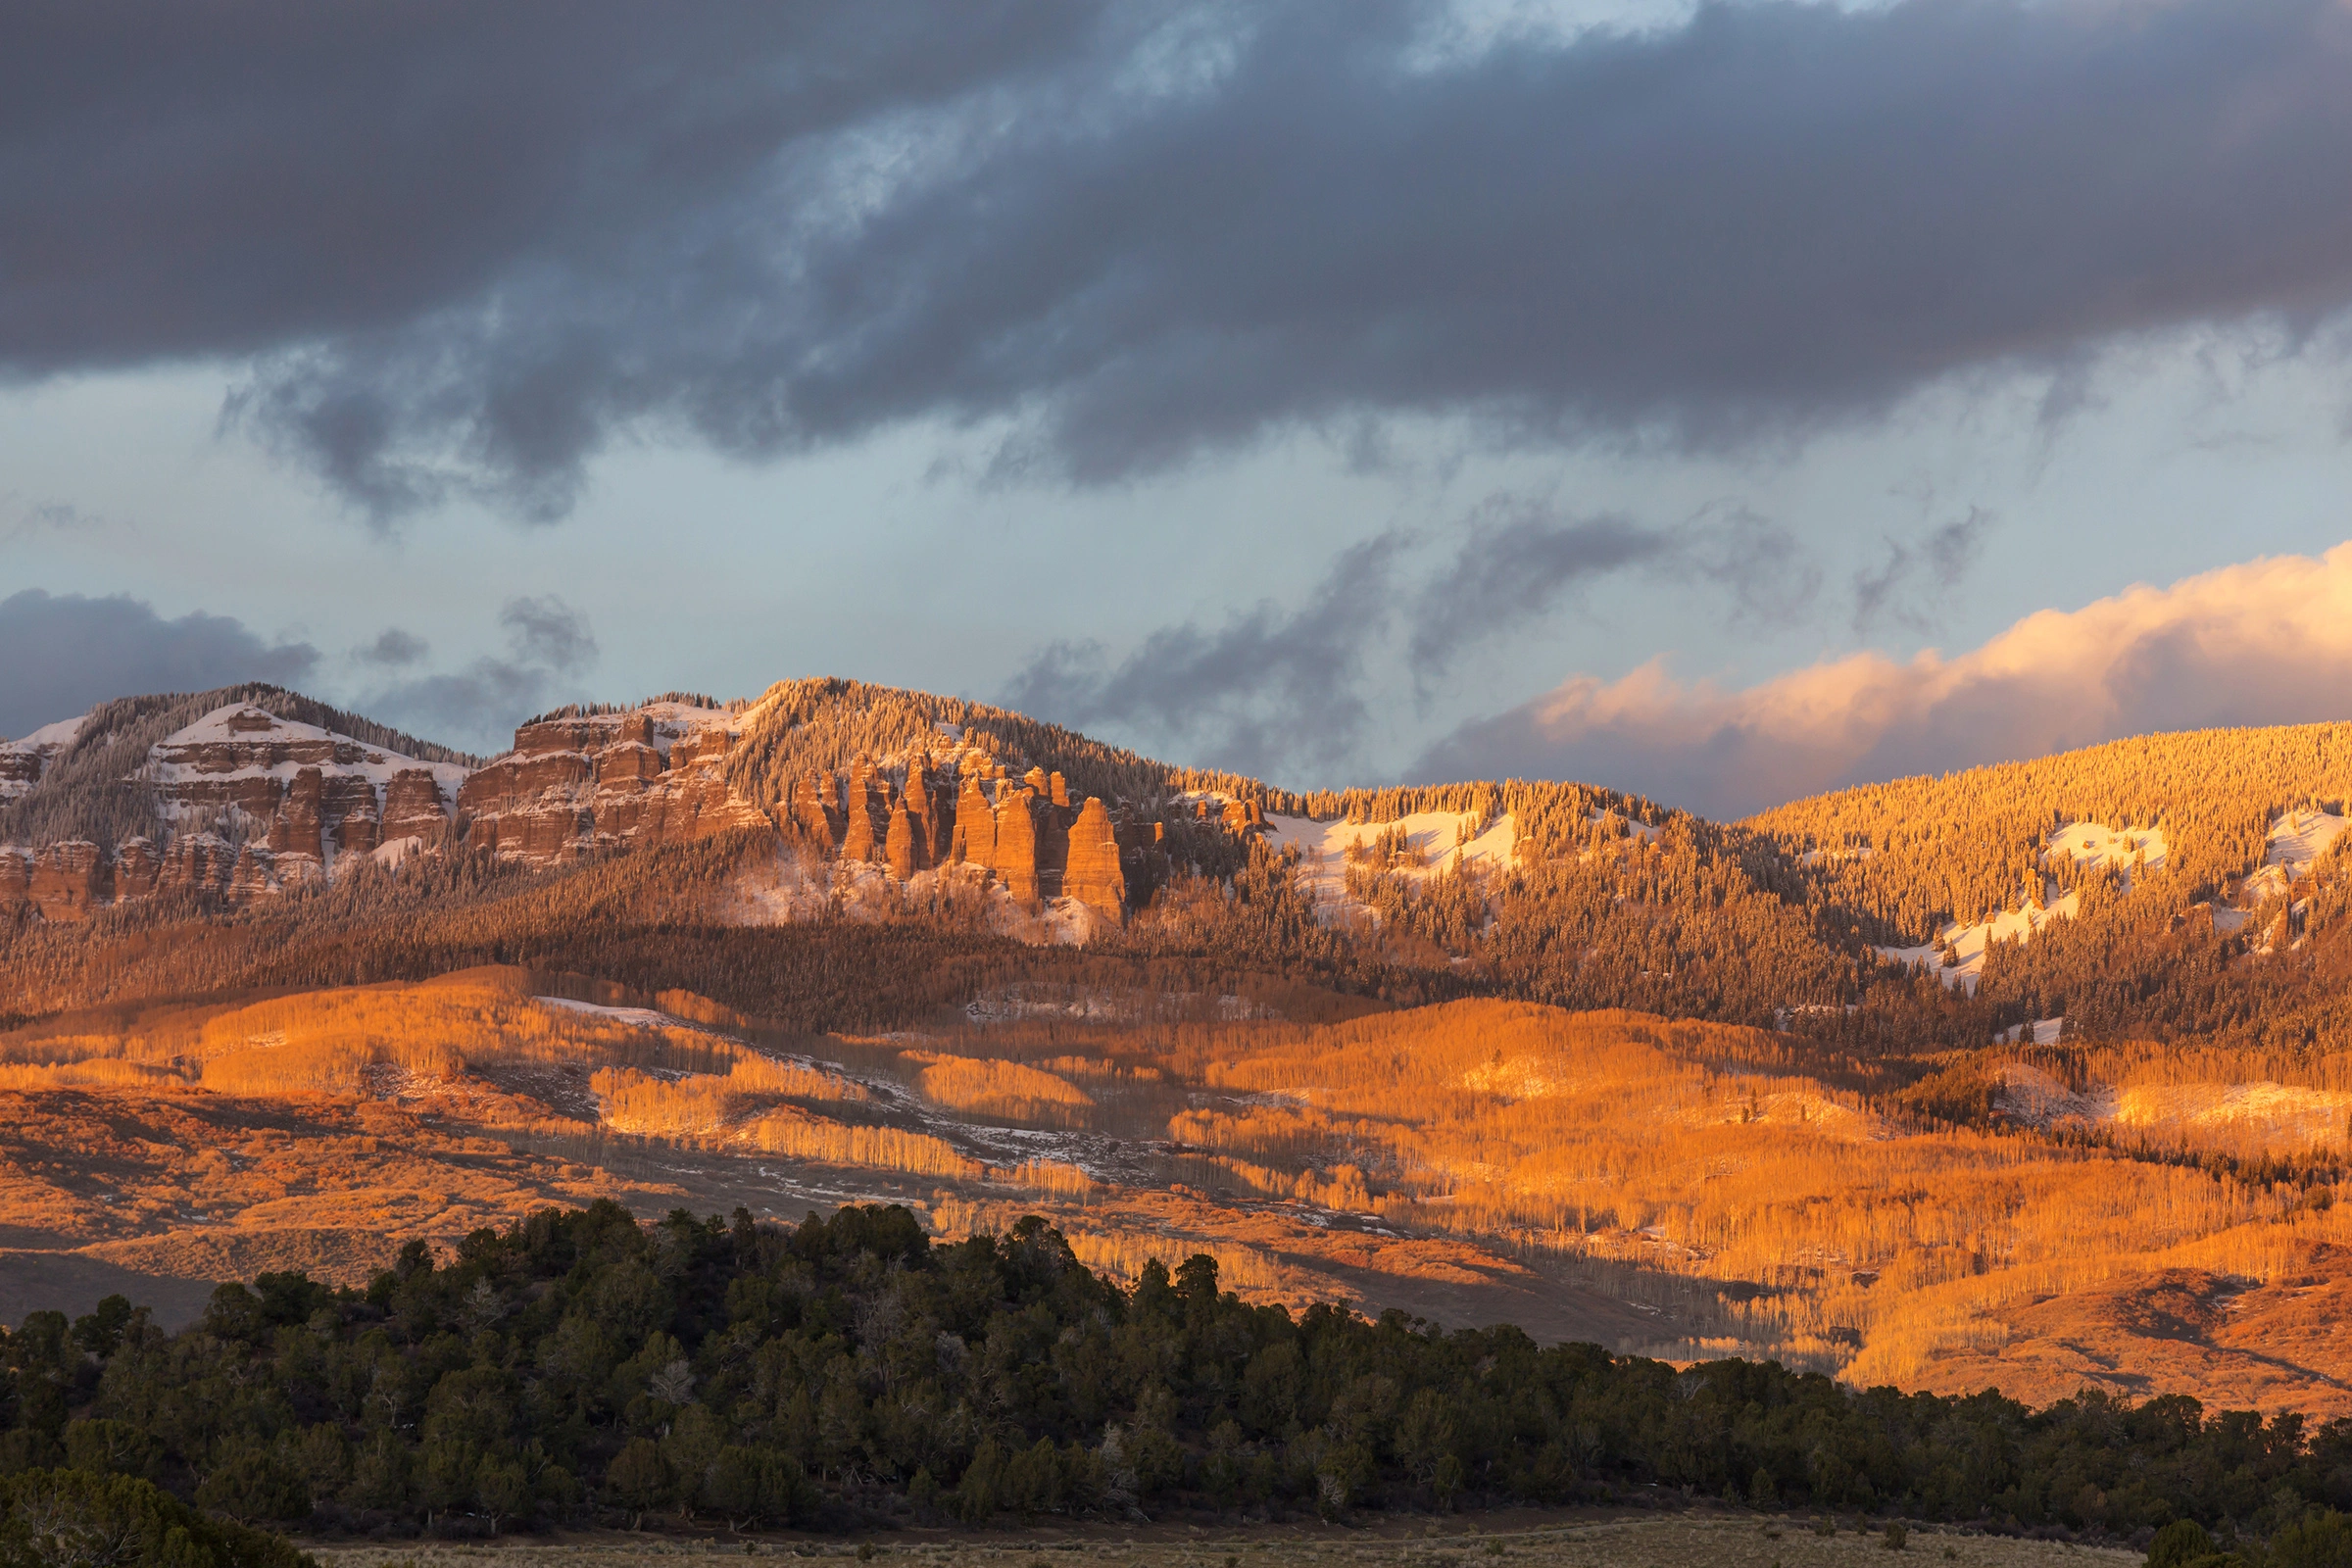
(1277, 690)
(549, 645)
(464, 248)
(65, 653)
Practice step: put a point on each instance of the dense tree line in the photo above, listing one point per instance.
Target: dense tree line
(850, 1371)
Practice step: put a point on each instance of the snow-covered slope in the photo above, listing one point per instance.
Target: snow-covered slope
(23, 760)
(1431, 842)
(238, 743)
(1968, 943)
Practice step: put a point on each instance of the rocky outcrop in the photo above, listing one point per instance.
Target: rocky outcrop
(138, 869)
(198, 865)
(295, 829)
(590, 782)
(1014, 859)
(19, 770)
(816, 810)
(24, 762)
(862, 835)
(904, 846)
(413, 806)
(16, 878)
(1092, 875)
(975, 836)
(71, 880)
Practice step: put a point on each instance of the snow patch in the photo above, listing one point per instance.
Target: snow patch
(1434, 842)
(635, 1018)
(1970, 942)
(389, 856)
(2040, 1031)
(23, 760)
(2298, 838)
(2120, 847)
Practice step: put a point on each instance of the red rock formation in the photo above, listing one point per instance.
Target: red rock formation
(19, 770)
(1015, 857)
(901, 844)
(15, 876)
(1059, 790)
(348, 802)
(975, 839)
(412, 805)
(196, 863)
(572, 785)
(250, 880)
(297, 829)
(862, 836)
(922, 811)
(1053, 846)
(138, 867)
(70, 879)
(1093, 875)
(817, 810)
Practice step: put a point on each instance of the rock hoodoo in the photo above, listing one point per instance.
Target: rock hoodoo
(1093, 875)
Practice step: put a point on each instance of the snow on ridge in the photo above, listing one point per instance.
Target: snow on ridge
(670, 719)
(23, 760)
(238, 730)
(1436, 837)
(49, 737)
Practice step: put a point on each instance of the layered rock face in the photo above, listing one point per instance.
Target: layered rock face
(573, 785)
(309, 802)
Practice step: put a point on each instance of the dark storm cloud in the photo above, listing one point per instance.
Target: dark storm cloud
(1274, 690)
(465, 247)
(1512, 569)
(64, 654)
(548, 644)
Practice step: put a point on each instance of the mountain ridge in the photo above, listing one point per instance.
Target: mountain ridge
(1880, 917)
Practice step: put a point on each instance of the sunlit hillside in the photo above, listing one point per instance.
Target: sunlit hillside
(1686, 1189)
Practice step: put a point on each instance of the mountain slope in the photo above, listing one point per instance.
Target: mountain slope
(2166, 886)
(849, 941)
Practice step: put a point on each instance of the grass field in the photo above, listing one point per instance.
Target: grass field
(1519, 1540)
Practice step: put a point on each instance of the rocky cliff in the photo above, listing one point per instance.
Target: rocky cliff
(247, 804)
(578, 783)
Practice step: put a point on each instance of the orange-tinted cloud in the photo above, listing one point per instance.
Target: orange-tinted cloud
(2269, 641)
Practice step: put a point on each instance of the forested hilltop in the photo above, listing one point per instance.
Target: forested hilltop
(582, 1367)
(835, 855)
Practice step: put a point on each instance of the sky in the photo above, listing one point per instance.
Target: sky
(1721, 400)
